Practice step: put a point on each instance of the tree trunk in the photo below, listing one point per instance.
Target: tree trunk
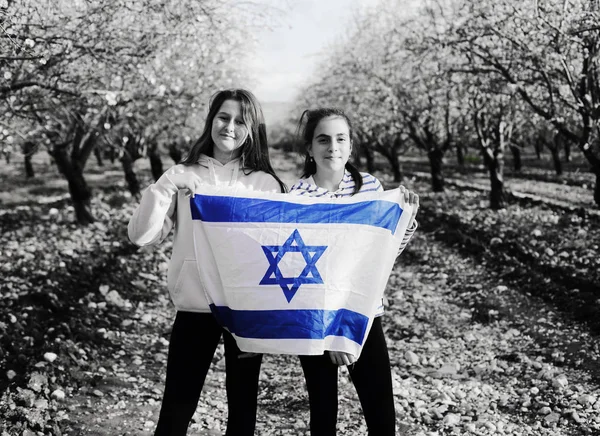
(567, 147)
(156, 165)
(370, 160)
(175, 153)
(597, 188)
(28, 148)
(495, 165)
(112, 154)
(556, 160)
(98, 154)
(79, 190)
(29, 173)
(7, 157)
(132, 182)
(539, 147)
(460, 156)
(396, 169)
(517, 162)
(436, 157)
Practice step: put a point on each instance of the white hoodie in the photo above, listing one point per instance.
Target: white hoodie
(163, 207)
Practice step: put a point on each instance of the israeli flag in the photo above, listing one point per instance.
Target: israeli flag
(288, 274)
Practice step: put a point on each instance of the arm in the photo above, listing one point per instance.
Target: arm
(407, 236)
(155, 216)
(413, 199)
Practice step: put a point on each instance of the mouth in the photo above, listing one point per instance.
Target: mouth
(222, 135)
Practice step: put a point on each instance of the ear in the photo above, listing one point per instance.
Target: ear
(309, 150)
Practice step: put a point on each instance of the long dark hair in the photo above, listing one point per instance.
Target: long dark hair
(306, 131)
(255, 150)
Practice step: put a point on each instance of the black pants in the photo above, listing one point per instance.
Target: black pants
(194, 339)
(372, 378)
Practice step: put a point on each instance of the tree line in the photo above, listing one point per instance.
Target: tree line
(495, 76)
(116, 79)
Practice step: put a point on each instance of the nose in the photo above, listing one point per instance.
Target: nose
(230, 127)
(333, 146)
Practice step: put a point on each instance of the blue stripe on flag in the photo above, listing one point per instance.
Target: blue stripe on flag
(292, 324)
(376, 213)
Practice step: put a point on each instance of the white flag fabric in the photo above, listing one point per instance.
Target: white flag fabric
(288, 274)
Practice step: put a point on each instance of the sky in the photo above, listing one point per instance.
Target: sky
(289, 53)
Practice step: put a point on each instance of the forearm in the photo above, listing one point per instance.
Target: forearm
(407, 237)
(154, 217)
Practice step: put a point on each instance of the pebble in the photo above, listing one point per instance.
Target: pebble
(41, 403)
(471, 427)
(401, 392)
(411, 357)
(470, 337)
(10, 374)
(50, 357)
(586, 400)
(451, 419)
(490, 426)
(560, 382)
(114, 298)
(58, 394)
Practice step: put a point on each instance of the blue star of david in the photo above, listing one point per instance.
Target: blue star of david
(309, 275)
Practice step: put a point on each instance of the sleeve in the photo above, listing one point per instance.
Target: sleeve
(154, 217)
(376, 183)
(407, 237)
(296, 187)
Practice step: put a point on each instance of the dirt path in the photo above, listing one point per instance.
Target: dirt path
(460, 365)
(470, 353)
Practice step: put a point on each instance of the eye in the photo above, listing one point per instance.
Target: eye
(240, 122)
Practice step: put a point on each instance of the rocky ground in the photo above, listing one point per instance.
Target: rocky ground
(491, 328)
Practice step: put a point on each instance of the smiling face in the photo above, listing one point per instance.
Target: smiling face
(331, 145)
(229, 131)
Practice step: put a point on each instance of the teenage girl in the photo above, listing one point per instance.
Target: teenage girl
(327, 137)
(232, 150)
